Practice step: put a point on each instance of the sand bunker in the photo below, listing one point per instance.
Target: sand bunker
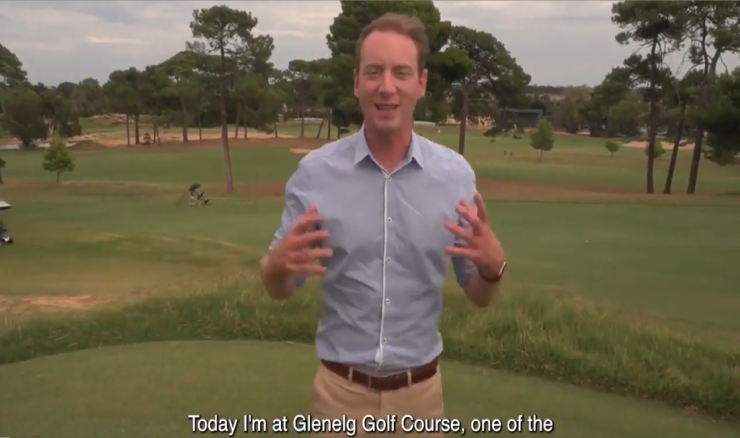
(119, 138)
(63, 302)
(666, 145)
(301, 151)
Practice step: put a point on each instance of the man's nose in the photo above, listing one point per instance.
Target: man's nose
(387, 85)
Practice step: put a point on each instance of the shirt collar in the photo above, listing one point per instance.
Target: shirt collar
(362, 151)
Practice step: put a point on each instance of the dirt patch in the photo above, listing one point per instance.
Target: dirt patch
(266, 189)
(49, 303)
(666, 145)
(79, 302)
(301, 151)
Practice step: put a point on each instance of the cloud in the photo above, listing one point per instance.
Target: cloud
(557, 43)
(112, 40)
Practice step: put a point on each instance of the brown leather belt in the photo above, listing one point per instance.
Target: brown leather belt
(384, 383)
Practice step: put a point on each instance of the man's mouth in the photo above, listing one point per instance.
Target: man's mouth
(385, 107)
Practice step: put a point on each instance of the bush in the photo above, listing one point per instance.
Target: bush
(57, 158)
(612, 146)
(659, 151)
(542, 139)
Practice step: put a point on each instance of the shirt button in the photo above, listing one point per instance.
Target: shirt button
(389, 219)
(385, 340)
(387, 301)
(388, 260)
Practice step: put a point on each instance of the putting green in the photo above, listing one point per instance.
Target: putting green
(150, 389)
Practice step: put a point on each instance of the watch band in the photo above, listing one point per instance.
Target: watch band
(495, 279)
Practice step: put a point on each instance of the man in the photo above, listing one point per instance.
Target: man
(381, 210)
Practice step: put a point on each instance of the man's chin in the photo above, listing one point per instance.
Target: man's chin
(386, 126)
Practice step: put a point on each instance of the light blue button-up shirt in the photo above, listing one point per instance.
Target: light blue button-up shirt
(382, 288)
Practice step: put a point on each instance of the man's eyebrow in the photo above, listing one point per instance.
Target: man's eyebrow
(402, 67)
(395, 67)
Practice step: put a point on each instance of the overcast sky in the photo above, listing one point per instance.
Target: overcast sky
(557, 43)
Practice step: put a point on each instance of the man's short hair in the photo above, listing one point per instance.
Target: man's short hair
(405, 25)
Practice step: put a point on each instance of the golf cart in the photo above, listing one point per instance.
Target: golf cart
(197, 197)
(5, 238)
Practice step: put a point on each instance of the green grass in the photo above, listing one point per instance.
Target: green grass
(607, 288)
(230, 379)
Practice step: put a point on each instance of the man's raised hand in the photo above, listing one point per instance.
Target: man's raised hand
(302, 246)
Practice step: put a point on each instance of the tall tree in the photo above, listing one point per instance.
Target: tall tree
(494, 74)
(88, 97)
(568, 113)
(609, 93)
(65, 121)
(12, 73)
(120, 96)
(721, 121)
(183, 84)
(253, 72)
(652, 24)
(679, 95)
(306, 87)
(713, 29)
(24, 116)
(445, 65)
(225, 32)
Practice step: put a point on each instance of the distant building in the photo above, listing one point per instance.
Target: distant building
(524, 118)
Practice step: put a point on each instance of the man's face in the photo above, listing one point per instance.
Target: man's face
(388, 83)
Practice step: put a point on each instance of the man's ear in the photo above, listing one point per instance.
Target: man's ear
(357, 82)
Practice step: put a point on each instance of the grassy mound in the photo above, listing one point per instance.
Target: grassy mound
(150, 389)
(552, 337)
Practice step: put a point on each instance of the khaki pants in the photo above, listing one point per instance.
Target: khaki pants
(336, 397)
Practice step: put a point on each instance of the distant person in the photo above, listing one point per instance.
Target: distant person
(381, 211)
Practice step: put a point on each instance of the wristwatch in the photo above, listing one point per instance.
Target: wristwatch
(495, 279)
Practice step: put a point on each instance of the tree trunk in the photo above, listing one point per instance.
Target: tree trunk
(185, 123)
(59, 172)
(612, 154)
(136, 127)
(328, 126)
(653, 128)
(244, 121)
(275, 129)
(674, 153)
(710, 68)
(225, 128)
(200, 128)
(128, 131)
(1, 176)
(303, 117)
(463, 121)
(321, 127)
(695, 160)
(236, 124)
(540, 154)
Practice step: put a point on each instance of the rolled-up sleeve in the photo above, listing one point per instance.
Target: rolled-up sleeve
(463, 267)
(295, 194)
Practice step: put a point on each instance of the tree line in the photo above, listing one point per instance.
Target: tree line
(224, 76)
